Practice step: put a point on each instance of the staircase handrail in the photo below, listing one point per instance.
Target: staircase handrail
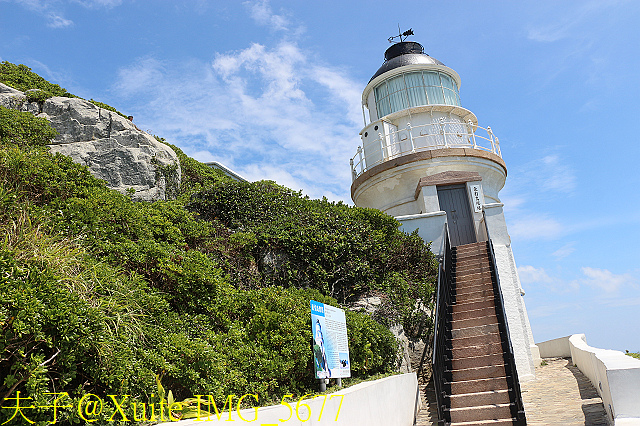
(510, 363)
(443, 301)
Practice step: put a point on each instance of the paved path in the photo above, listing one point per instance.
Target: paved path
(560, 395)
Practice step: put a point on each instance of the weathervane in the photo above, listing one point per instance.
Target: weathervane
(400, 35)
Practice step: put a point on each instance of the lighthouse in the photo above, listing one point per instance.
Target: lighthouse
(427, 161)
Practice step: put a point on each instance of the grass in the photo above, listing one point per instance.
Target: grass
(635, 355)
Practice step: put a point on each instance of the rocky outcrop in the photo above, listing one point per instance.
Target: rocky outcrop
(112, 147)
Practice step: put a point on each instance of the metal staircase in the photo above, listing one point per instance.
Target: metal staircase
(474, 371)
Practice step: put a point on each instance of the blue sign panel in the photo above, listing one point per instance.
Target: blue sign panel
(330, 343)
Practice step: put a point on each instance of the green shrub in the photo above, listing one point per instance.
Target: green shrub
(341, 251)
(37, 95)
(22, 128)
(210, 291)
(22, 78)
(195, 175)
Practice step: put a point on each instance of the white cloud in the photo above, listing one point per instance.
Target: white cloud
(535, 227)
(52, 10)
(605, 279)
(252, 110)
(564, 251)
(565, 25)
(93, 4)
(57, 21)
(541, 179)
(556, 175)
(548, 174)
(593, 278)
(139, 77)
(261, 13)
(532, 275)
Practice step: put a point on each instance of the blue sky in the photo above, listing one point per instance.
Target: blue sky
(272, 89)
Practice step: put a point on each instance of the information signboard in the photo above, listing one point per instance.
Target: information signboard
(330, 343)
(477, 198)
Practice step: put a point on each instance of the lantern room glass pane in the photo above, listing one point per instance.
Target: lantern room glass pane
(447, 83)
(431, 78)
(415, 89)
(398, 101)
(450, 97)
(417, 96)
(381, 91)
(413, 79)
(435, 95)
(395, 84)
(383, 107)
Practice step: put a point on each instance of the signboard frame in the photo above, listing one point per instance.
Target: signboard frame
(330, 342)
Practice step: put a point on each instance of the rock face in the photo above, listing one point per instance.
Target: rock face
(111, 146)
(370, 304)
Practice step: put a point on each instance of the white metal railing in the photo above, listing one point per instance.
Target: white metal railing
(437, 135)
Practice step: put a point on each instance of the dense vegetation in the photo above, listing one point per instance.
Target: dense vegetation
(22, 78)
(37, 89)
(209, 291)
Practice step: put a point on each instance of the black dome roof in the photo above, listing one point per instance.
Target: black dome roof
(404, 53)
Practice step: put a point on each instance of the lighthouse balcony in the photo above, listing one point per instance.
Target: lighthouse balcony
(383, 140)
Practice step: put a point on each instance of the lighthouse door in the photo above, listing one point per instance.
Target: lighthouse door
(453, 200)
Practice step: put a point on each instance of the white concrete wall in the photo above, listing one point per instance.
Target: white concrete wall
(615, 376)
(392, 401)
(525, 351)
(555, 348)
(430, 227)
(393, 190)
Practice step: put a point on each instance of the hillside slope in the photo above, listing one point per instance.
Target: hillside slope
(208, 291)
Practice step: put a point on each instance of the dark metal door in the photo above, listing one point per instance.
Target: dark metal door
(454, 201)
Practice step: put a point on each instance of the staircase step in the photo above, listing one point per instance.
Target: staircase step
(462, 272)
(474, 313)
(471, 254)
(476, 262)
(482, 281)
(477, 297)
(473, 290)
(473, 322)
(483, 339)
(465, 288)
(472, 277)
(479, 294)
(480, 385)
(469, 248)
(481, 412)
(477, 361)
(470, 306)
(477, 256)
(479, 373)
(470, 351)
(495, 422)
(480, 398)
(478, 330)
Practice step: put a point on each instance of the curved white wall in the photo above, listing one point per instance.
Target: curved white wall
(615, 375)
(393, 190)
(392, 401)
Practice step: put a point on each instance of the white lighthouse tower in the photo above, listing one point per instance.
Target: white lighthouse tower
(426, 161)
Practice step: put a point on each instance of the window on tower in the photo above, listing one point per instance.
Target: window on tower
(415, 89)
